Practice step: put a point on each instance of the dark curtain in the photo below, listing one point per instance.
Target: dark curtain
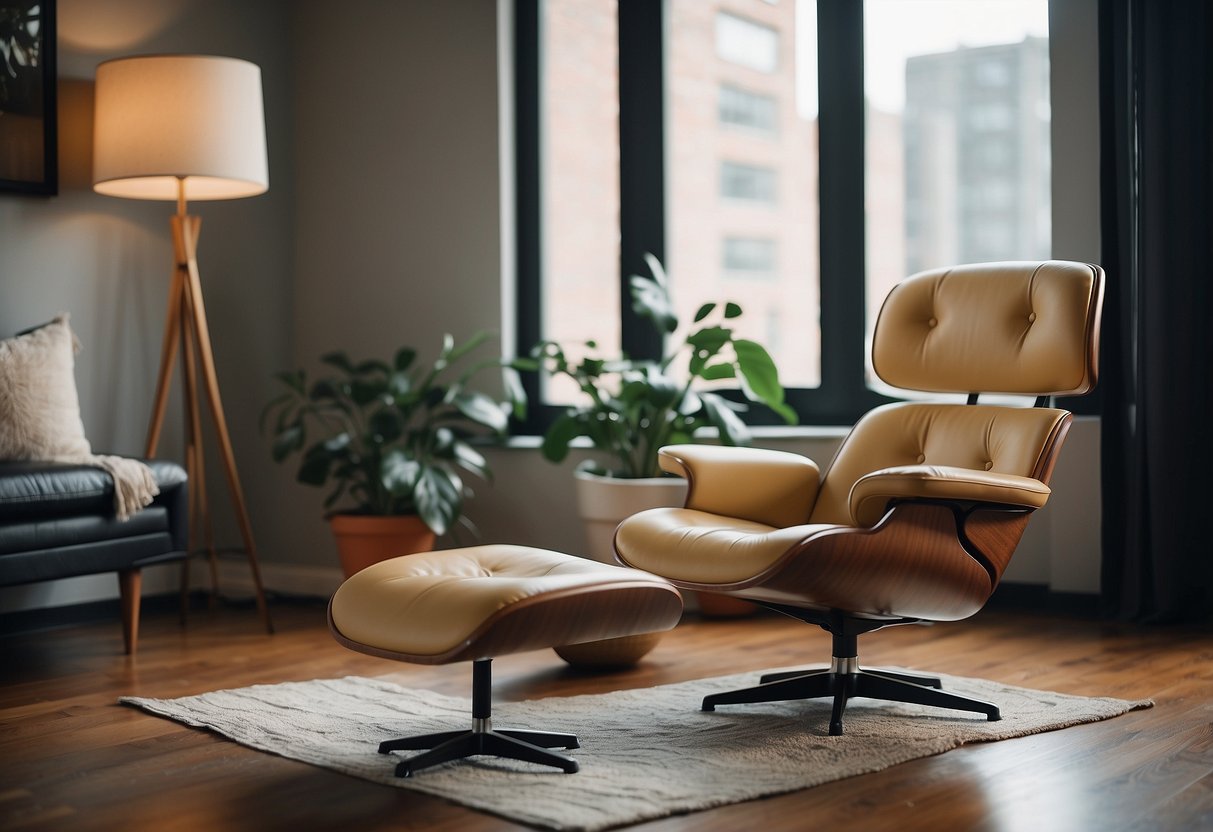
(1157, 360)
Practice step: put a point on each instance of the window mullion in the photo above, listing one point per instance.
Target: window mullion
(528, 154)
(641, 159)
(841, 184)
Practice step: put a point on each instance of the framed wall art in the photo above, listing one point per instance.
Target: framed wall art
(28, 123)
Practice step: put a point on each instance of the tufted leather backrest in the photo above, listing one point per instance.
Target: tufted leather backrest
(1017, 327)
(1004, 440)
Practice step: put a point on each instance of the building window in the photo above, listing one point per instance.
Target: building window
(990, 116)
(742, 108)
(738, 181)
(749, 257)
(992, 73)
(746, 43)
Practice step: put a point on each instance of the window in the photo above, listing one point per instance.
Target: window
(954, 134)
(736, 198)
(580, 176)
(992, 73)
(746, 43)
(933, 149)
(749, 257)
(742, 108)
(739, 181)
(989, 116)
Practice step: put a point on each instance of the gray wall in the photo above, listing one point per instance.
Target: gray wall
(397, 193)
(383, 226)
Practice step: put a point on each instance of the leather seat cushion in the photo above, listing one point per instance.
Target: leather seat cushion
(700, 547)
(430, 606)
(38, 489)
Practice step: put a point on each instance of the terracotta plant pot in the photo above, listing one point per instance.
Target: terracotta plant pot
(363, 540)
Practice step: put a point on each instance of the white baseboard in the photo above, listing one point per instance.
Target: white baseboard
(236, 580)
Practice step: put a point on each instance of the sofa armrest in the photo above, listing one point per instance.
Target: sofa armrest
(871, 494)
(770, 487)
(174, 496)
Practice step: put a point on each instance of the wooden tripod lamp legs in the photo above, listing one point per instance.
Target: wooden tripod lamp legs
(186, 328)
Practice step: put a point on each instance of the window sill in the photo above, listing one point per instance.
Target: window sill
(759, 434)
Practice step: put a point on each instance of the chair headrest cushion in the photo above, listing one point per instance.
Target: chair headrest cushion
(1027, 328)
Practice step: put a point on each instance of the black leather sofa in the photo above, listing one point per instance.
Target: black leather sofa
(57, 521)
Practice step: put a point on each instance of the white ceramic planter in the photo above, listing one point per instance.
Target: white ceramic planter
(605, 502)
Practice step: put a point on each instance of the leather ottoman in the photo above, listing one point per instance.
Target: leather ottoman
(476, 603)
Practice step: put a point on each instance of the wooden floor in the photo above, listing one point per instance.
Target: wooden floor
(71, 758)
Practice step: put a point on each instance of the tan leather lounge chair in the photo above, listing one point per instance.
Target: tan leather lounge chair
(920, 511)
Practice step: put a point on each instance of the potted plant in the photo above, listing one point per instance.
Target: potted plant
(390, 441)
(633, 407)
(630, 408)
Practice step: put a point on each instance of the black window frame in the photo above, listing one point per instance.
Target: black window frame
(842, 395)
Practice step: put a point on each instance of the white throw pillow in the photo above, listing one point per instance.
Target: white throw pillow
(40, 412)
(39, 409)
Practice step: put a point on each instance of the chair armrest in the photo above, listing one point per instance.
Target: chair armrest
(770, 487)
(871, 493)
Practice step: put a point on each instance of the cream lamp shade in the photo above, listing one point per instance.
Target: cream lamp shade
(167, 120)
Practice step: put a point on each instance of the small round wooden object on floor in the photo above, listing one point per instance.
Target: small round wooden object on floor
(477, 603)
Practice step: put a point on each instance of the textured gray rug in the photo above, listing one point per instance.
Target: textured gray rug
(645, 753)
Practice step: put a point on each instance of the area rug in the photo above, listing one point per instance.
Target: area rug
(645, 753)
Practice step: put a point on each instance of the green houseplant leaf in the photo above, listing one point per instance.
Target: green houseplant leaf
(439, 497)
(560, 436)
(481, 409)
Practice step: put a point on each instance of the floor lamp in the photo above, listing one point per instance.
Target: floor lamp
(182, 127)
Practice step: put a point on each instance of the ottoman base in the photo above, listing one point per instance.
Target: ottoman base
(482, 738)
